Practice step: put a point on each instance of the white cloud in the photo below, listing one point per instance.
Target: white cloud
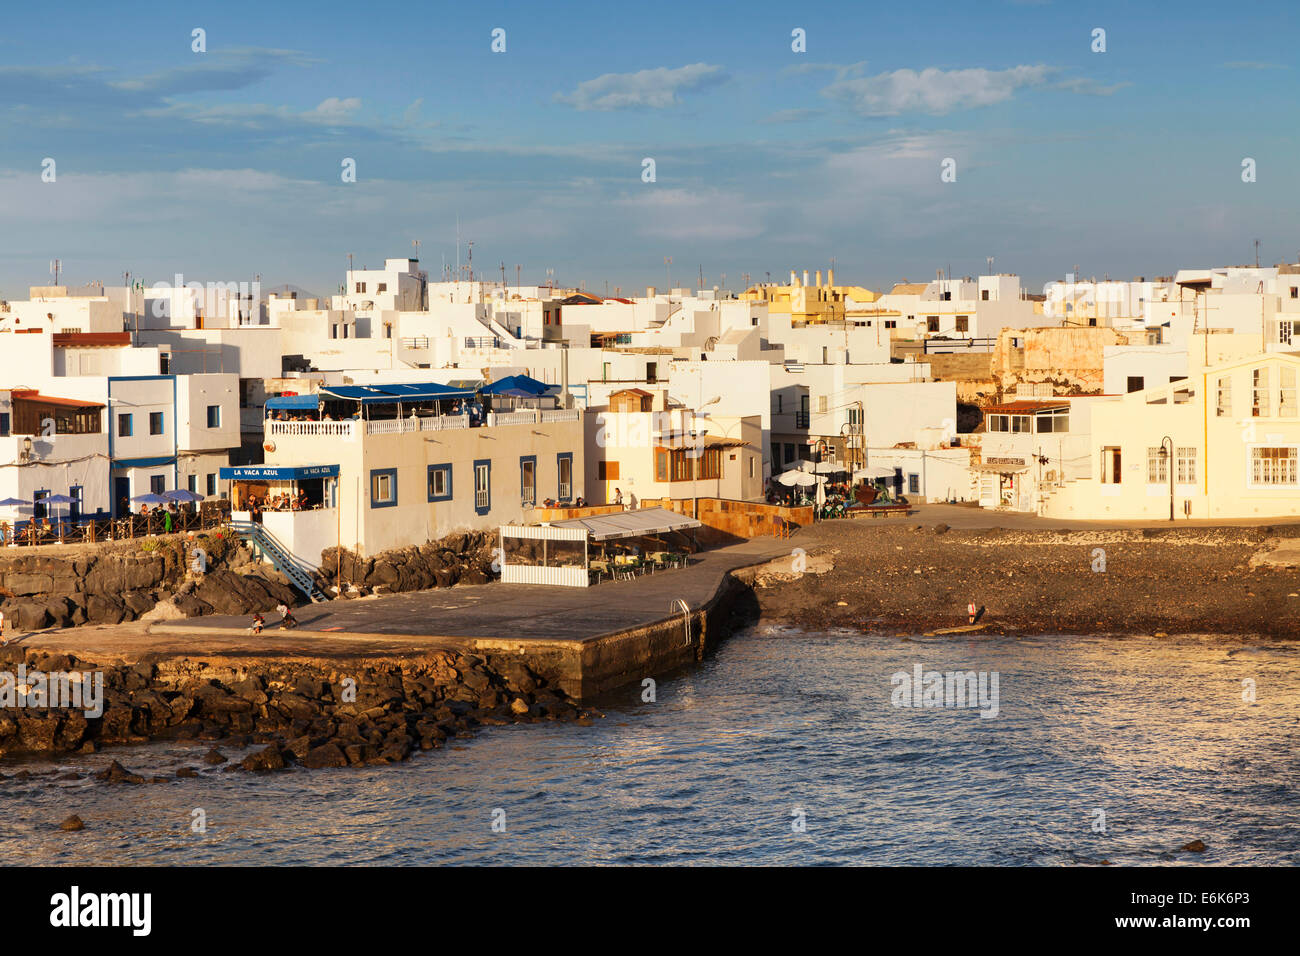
(932, 90)
(646, 89)
(685, 214)
(333, 108)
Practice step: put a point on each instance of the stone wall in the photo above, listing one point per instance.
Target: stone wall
(112, 582)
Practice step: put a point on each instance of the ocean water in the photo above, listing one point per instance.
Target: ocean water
(783, 748)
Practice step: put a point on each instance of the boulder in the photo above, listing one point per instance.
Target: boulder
(326, 755)
(268, 758)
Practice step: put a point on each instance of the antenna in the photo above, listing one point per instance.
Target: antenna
(416, 243)
(54, 268)
(668, 263)
(701, 275)
(470, 264)
(1256, 254)
(517, 283)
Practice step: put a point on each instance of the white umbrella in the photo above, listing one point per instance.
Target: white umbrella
(873, 471)
(800, 478)
(800, 464)
(829, 468)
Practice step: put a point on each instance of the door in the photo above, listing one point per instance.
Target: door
(121, 496)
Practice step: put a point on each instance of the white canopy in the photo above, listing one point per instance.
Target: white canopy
(829, 468)
(874, 471)
(630, 524)
(800, 478)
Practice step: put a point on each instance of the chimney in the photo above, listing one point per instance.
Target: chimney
(805, 276)
(649, 292)
(819, 278)
(793, 278)
(830, 276)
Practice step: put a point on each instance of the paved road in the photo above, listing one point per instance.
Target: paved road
(526, 611)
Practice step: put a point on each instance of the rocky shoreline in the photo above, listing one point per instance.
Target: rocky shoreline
(908, 579)
(312, 713)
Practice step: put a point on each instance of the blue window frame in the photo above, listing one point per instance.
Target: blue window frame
(564, 476)
(528, 480)
(78, 498)
(4, 424)
(214, 416)
(482, 486)
(39, 508)
(157, 484)
(192, 483)
(383, 487)
(212, 484)
(125, 426)
(155, 423)
(440, 482)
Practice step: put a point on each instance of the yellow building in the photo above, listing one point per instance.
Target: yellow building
(1222, 443)
(810, 304)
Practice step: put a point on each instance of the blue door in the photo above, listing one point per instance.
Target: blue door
(121, 496)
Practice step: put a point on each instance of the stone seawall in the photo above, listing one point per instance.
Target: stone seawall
(112, 582)
(319, 712)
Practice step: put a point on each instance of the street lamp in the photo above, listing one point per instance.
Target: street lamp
(1167, 456)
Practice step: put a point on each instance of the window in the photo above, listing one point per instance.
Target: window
(214, 416)
(528, 480)
(155, 423)
(1110, 466)
(39, 508)
(984, 294)
(1020, 423)
(76, 493)
(932, 323)
(1259, 401)
(913, 483)
(1286, 401)
(211, 484)
(4, 424)
(482, 486)
(751, 466)
(440, 482)
(673, 464)
(1057, 420)
(192, 483)
(1136, 383)
(564, 472)
(1157, 467)
(124, 428)
(383, 487)
(891, 323)
(157, 483)
(998, 423)
(1186, 471)
(361, 287)
(710, 463)
(381, 287)
(1223, 397)
(607, 471)
(1273, 466)
(1295, 292)
(963, 323)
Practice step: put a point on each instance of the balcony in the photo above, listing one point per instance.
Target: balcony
(398, 426)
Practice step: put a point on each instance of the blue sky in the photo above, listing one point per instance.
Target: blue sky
(227, 163)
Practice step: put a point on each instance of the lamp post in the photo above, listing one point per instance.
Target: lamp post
(1167, 456)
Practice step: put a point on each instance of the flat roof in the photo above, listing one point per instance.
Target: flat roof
(29, 395)
(630, 524)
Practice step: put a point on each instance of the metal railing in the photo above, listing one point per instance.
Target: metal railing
(482, 342)
(267, 546)
(35, 532)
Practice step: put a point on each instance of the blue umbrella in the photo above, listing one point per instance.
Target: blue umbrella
(182, 495)
(151, 499)
(13, 502)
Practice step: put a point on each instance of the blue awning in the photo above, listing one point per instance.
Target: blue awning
(278, 472)
(294, 401)
(389, 394)
(525, 382)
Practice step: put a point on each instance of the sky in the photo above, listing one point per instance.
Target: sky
(229, 162)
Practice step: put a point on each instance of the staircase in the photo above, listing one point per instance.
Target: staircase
(266, 546)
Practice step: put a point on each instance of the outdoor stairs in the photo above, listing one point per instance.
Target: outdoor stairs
(267, 547)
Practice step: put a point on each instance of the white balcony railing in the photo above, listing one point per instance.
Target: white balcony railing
(560, 415)
(513, 418)
(310, 429)
(436, 423)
